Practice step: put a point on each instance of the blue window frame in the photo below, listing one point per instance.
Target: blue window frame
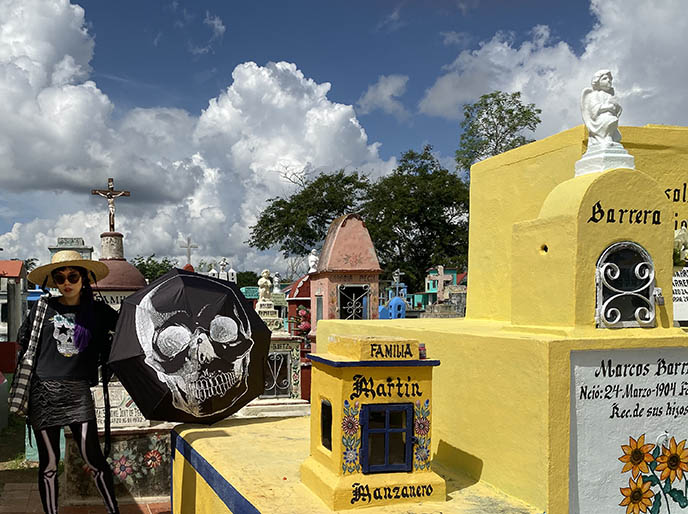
(386, 437)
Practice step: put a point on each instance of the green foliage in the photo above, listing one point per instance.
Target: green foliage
(247, 279)
(418, 217)
(297, 223)
(152, 268)
(30, 264)
(492, 125)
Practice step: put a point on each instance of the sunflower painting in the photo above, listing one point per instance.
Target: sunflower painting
(658, 481)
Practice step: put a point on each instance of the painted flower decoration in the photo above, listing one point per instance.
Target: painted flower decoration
(636, 496)
(422, 454)
(674, 461)
(152, 459)
(422, 426)
(122, 468)
(350, 425)
(636, 456)
(302, 312)
(350, 456)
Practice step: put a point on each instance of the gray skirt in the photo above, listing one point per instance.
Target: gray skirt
(59, 402)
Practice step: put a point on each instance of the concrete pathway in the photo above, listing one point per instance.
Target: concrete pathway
(23, 498)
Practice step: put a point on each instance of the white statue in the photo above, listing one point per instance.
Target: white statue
(264, 286)
(681, 243)
(276, 282)
(601, 112)
(313, 260)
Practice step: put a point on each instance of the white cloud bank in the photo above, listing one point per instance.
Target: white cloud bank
(205, 176)
(643, 43)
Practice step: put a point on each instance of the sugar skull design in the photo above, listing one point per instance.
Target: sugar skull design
(63, 333)
(201, 352)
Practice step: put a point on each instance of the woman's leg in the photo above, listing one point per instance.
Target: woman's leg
(48, 444)
(86, 437)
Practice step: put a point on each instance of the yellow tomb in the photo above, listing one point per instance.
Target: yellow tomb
(371, 416)
(568, 360)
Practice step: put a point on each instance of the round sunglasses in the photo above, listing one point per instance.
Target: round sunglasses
(72, 278)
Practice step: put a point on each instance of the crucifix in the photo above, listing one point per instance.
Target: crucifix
(110, 194)
(188, 248)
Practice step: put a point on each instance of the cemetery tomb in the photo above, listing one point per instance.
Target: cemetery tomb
(565, 385)
(370, 424)
(345, 285)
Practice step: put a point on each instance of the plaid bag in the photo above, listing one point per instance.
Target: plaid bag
(19, 392)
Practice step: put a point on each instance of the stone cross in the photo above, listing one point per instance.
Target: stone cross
(188, 248)
(441, 279)
(110, 194)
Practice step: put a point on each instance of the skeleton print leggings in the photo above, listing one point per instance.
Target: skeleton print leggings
(86, 438)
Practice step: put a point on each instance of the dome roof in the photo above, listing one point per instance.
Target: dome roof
(301, 289)
(123, 276)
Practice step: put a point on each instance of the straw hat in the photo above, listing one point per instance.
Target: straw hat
(63, 259)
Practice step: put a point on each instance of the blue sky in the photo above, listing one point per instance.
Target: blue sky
(148, 60)
(201, 108)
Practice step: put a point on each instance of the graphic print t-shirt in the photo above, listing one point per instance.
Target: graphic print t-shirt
(57, 355)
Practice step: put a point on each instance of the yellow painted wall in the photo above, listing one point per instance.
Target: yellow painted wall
(190, 492)
(511, 188)
(559, 250)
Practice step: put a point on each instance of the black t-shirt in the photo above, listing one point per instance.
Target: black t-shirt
(57, 357)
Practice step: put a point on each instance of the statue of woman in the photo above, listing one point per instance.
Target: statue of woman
(601, 111)
(264, 286)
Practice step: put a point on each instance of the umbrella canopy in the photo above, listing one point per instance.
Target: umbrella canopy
(190, 348)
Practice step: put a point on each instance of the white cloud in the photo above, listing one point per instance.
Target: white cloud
(392, 21)
(215, 23)
(454, 38)
(202, 176)
(218, 29)
(383, 95)
(643, 43)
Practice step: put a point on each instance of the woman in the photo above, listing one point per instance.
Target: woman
(71, 344)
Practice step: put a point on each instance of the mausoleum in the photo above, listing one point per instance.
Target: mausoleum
(345, 285)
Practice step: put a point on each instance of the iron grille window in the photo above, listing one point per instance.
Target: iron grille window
(326, 424)
(277, 380)
(353, 301)
(625, 279)
(386, 437)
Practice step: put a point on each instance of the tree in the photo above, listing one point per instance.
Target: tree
(247, 279)
(30, 264)
(152, 268)
(418, 217)
(297, 223)
(492, 125)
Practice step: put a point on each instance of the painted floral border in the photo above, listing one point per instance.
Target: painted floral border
(129, 465)
(656, 475)
(421, 430)
(351, 438)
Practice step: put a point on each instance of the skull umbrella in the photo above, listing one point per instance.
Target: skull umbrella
(190, 348)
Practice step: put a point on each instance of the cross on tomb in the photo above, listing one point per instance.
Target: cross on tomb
(442, 279)
(110, 194)
(188, 248)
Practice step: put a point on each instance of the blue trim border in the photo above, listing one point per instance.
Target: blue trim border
(373, 364)
(232, 498)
